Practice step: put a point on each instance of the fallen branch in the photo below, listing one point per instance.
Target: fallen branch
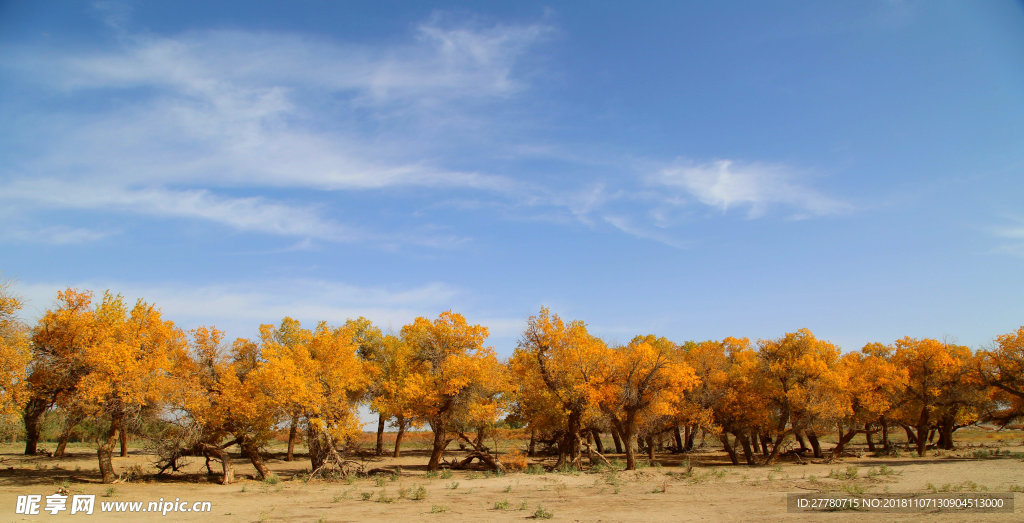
(591, 452)
(482, 453)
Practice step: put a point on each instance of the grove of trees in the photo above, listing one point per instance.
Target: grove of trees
(127, 370)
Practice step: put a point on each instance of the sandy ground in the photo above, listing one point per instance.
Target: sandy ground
(713, 490)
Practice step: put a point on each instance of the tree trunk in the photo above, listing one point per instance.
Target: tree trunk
(315, 447)
(815, 446)
(630, 443)
(572, 437)
(122, 435)
(922, 432)
(228, 470)
(617, 439)
(911, 437)
(398, 437)
(569, 443)
(885, 435)
(62, 445)
(765, 439)
(867, 436)
(597, 441)
(381, 420)
(679, 439)
(440, 443)
(650, 447)
(799, 435)
(34, 410)
(251, 451)
(946, 427)
(105, 451)
(844, 438)
(777, 446)
(531, 451)
(70, 422)
(481, 432)
(748, 453)
(724, 438)
(293, 434)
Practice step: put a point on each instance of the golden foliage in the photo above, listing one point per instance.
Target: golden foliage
(800, 376)
(556, 367)
(455, 380)
(14, 356)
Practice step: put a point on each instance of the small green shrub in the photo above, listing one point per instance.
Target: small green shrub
(849, 473)
(540, 513)
(854, 490)
(419, 493)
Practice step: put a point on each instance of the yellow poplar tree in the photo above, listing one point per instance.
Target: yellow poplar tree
(1002, 368)
(943, 390)
(556, 365)
(804, 384)
(729, 373)
(461, 382)
(645, 379)
(391, 371)
(874, 387)
(120, 360)
(58, 340)
(14, 356)
(208, 380)
(318, 377)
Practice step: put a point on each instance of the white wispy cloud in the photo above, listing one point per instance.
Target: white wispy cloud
(247, 107)
(629, 227)
(1012, 232)
(1011, 237)
(202, 113)
(245, 214)
(215, 109)
(54, 235)
(726, 184)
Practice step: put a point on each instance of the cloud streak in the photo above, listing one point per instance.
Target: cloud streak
(726, 184)
(252, 214)
(205, 111)
(171, 126)
(55, 235)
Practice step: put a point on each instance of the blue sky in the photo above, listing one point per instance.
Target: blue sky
(690, 169)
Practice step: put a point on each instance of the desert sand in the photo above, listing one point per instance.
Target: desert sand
(701, 485)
